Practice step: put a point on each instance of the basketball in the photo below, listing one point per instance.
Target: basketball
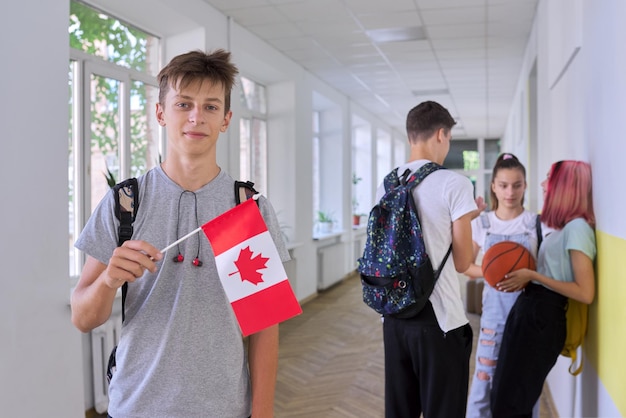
(503, 258)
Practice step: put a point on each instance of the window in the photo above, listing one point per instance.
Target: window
(327, 155)
(362, 166)
(399, 152)
(315, 155)
(384, 157)
(475, 158)
(113, 133)
(253, 134)
(463, 154)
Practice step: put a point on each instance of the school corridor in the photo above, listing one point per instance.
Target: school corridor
(331, 359)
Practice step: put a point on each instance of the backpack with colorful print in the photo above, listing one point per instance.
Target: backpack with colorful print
(396, 273)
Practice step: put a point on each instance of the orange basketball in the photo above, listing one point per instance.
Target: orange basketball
(503, 258)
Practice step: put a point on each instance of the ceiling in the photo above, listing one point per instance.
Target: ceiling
(469, 57)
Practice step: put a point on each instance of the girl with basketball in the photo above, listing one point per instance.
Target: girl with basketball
(535, 329)
(507, 221)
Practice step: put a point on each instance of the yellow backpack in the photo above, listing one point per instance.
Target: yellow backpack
(576, 317)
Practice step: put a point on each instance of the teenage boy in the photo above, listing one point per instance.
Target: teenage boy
(427, 356)
(181, 353)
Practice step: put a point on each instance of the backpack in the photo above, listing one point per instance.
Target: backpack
(576, 326)
(396, 273)
(126, 195)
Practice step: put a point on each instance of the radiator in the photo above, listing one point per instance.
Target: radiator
(331, 265)
(103, 339)
(359, 246)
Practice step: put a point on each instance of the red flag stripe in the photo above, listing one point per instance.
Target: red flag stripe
(234, 226)
(266, 308)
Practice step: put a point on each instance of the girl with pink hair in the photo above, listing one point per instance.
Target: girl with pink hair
(535, 331)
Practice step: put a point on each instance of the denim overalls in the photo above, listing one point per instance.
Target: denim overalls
(496, 307)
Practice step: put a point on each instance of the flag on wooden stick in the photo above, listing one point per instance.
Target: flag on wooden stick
(250, 268)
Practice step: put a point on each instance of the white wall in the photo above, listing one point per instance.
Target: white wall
(581, 96)
(45, 371)
(40, 352)
(42, 359)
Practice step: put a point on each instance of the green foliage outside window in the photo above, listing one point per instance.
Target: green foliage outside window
(471, 160)
(110, 39)
(102, 36)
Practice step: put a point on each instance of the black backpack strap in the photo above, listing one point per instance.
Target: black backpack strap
(443, 263)
(414, 180)
(244, 190)
(539, 233)
(394, 178)
(421, 173)
(126, 195)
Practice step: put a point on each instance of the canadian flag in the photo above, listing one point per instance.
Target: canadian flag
(250, 268)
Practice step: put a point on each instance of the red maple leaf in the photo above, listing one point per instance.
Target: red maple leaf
(248, 266)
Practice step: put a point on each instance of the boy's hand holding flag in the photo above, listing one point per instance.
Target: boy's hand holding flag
(250, 268)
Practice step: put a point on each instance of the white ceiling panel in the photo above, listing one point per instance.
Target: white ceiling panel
(327, 11)
(469, 61)
(377, 6)
(256, 16)
(278, 31)
(448, 16)
(450, 4)
(456, 31)
(402, 19)
(240, 4)
(289, 44)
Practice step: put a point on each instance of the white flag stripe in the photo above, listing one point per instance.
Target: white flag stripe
(274, 272)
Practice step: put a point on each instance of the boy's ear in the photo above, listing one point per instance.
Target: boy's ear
(441, 134)
(226, 121)
(159, 114)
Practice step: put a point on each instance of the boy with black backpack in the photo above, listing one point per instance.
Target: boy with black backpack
(427, 355)
(181, 352)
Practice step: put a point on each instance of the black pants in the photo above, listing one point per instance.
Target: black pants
(426, 370)
(534, 335)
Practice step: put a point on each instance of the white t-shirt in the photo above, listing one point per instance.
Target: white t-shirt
(505, 230)
(441, 198)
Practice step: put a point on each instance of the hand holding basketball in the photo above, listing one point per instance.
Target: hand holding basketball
(503, 258)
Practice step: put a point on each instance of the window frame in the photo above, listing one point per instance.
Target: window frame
(83, 66)
(252, 117)
(480, 177)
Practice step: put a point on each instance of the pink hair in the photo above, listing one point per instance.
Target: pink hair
(568, 194)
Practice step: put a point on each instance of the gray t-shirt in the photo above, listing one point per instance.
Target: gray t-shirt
(181, 352)
(554, 258)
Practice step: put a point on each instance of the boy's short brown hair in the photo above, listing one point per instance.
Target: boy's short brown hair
(193, 66)
(425, 119)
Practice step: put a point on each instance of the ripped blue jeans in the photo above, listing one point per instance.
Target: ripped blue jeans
(496, 308)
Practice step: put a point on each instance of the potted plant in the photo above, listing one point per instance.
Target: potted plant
(356, 217)
(325, 221)
(110, 177)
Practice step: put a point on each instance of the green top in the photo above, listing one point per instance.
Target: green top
(554, 258)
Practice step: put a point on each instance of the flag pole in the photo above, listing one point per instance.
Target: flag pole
(195, 231)
(178, 241)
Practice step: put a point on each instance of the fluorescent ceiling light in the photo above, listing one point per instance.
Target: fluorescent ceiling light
(431, 92)
(378, 36)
